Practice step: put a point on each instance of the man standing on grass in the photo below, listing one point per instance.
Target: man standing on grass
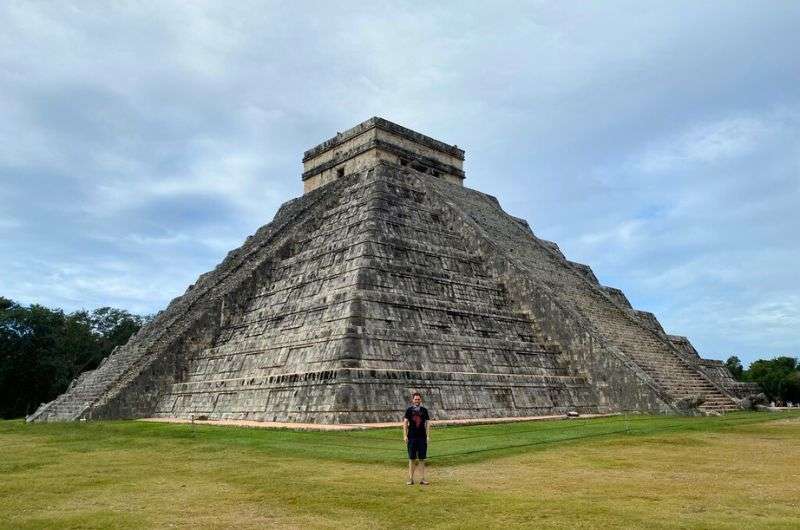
(416, 436)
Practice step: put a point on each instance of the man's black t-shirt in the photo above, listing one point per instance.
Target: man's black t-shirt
(416, 416)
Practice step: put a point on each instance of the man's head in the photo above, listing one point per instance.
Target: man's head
(416, 399)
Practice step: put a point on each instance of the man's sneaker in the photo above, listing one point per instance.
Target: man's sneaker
(410, 483)
(424, 482)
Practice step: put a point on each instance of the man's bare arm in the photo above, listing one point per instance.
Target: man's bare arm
(405, 430)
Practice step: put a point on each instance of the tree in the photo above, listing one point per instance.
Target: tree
(779, 378)
(735, 367)
(42, 350)
(30, 360)
(792, 387)
(115, 326)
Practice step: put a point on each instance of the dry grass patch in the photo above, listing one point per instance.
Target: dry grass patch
(652, 472)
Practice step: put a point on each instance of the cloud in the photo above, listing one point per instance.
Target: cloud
(657, 143)
(709, 143)
(724, 140)
(625, 234)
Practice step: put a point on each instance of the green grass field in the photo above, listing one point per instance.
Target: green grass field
(737, 471)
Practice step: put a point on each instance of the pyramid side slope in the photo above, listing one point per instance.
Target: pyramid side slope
(128, 382)
(566, 294)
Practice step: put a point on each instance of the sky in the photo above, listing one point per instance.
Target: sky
(657, 142)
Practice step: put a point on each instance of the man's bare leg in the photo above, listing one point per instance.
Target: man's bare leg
(422, 470)
(411, 470)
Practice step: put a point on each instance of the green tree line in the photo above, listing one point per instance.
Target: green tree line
(779, 378)
(42, 350)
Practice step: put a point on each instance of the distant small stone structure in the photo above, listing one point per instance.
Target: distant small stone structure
(386, 277)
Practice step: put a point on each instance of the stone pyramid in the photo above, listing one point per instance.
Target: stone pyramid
(386, 277)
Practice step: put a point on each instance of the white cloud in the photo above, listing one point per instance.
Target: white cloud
(776, 314)
(626, 234)
(9, 223)
(707, 143)
(764, 326)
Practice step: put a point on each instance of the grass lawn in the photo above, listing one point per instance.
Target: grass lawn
(737, 471)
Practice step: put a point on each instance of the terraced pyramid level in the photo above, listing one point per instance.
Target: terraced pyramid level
(387, 277)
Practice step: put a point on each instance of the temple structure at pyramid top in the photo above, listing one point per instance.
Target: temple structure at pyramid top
(376, 140)
(388, 276)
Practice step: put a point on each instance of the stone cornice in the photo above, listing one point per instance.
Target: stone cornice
(386, 125)
(389, 147)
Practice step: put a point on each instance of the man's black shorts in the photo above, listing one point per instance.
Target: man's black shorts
(417, 448)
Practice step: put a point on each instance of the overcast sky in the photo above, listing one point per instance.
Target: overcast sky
(657, 142)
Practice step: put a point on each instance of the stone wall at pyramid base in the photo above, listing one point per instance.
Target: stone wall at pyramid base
(368, 396)
(371, 396)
